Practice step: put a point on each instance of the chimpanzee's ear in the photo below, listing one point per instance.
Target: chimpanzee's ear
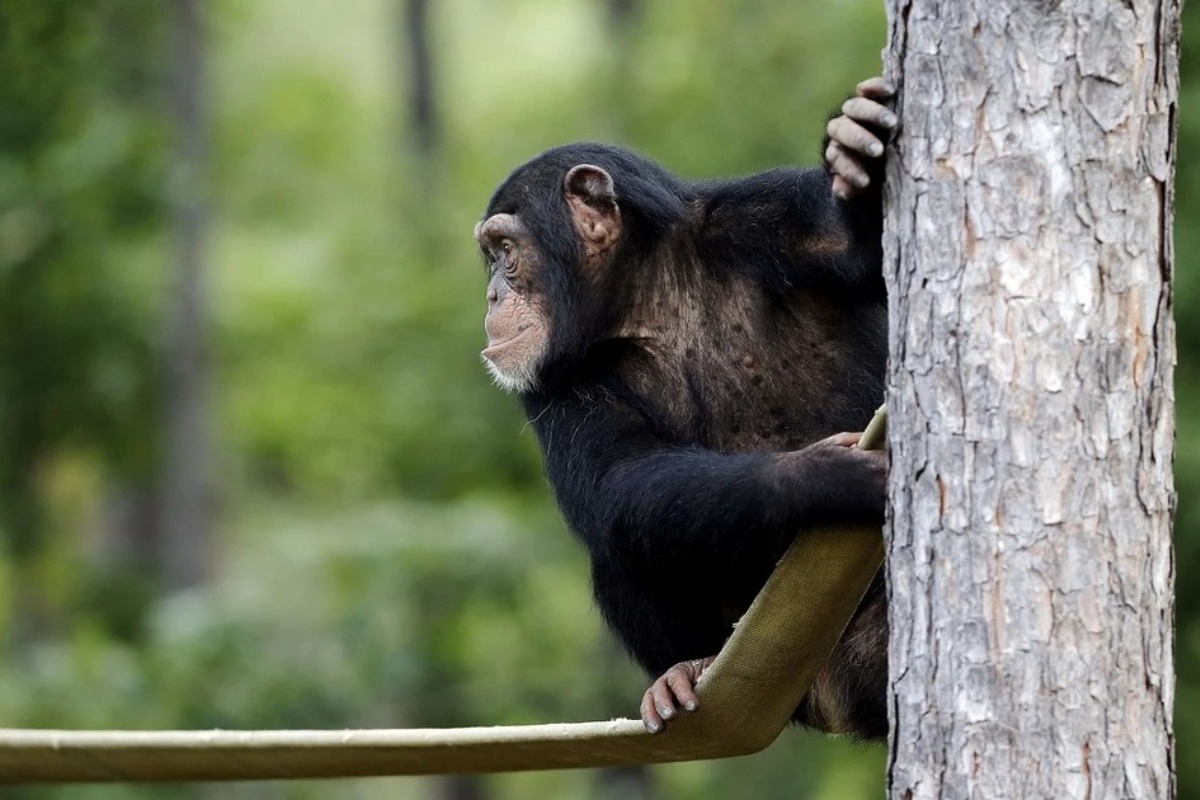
(594, 210)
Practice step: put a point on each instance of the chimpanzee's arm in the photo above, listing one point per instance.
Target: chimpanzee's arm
(622, 487)
(813, 228)
(789, 226)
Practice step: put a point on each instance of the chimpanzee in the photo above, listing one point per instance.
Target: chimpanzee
(684, 351)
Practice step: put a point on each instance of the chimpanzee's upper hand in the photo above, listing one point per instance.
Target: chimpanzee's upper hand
(841, 482)
(859, 134)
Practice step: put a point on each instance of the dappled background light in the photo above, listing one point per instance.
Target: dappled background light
(370, 539)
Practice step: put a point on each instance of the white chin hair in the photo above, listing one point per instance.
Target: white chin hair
(514, 384)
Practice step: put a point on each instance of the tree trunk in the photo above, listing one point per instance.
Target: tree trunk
(621, 14)
(1029, 260)
(422, 173)
(622, 80)
(423, 119)
(186, 501)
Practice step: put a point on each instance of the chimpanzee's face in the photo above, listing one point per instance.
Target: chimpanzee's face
(517, 322)
(519, 317)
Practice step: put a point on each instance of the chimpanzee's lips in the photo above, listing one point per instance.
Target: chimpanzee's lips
(496, 348)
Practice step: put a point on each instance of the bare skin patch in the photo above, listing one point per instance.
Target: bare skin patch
(516, 324)
(594, 212)
(825, 246)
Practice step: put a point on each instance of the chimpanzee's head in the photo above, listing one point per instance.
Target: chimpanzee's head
(558, 237)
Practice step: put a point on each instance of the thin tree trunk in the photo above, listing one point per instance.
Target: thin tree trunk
(1029, 261)
(624, 783)
(620, 16)
(423, 120)
(622, 81)
(186, 504)
(460, 787)
(421, 173)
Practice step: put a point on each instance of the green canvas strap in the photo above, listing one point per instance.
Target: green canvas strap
(746, 697)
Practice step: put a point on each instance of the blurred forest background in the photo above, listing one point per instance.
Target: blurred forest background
(252, 473)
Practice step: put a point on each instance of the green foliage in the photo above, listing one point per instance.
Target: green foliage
(81, 176)
(389, 551)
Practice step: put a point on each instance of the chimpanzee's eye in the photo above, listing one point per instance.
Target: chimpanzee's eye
(510, 263)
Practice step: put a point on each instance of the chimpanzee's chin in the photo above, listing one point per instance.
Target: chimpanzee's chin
(509, 382)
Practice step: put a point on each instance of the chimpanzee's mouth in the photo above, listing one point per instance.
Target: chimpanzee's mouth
(497, 348)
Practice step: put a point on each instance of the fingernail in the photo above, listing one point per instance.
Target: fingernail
(890, 120)
(690, 705)
(652, 727)
(861, 181)
(876, 149)
(666, 713)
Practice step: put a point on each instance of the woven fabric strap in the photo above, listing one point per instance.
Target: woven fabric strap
(746, 699)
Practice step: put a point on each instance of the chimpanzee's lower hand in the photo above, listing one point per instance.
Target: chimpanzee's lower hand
(674, 690)
(841, 482)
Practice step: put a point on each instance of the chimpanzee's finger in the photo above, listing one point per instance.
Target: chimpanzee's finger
(664, 701)
(650, 718)
(680, 684)
(842, 188)
(864, 110)
(852, 136)
(844, 439)
(847, 167)
(876, 88)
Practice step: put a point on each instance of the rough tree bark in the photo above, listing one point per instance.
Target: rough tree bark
(1029, 260)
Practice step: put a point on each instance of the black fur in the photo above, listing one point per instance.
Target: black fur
(740, 320)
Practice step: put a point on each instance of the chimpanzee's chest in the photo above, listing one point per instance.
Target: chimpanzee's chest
(763, 374)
